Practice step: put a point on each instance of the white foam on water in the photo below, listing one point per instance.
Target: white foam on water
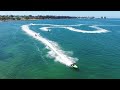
(45, 28)
(37, 47)
(55, 26)
(99, 30)
(55, 51)
(68, 27)
(48, 28)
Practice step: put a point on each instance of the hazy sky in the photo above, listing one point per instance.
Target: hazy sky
(110, 14)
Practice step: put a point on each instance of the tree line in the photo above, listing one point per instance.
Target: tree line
(30, 17)
(17, 17)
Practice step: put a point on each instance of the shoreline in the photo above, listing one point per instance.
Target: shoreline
(35, 19)
(45, 19)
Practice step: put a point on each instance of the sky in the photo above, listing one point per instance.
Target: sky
(109, 14)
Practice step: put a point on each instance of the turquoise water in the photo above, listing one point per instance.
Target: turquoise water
(23, 57)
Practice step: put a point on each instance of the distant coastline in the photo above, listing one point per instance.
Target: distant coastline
(39, 17)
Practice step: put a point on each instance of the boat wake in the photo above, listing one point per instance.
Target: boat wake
(55, 51)
(68, 27)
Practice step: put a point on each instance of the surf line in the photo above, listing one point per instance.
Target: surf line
(55, 50)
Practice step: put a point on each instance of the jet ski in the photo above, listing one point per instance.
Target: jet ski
(48, 30)
(74, 66)
(35, 35)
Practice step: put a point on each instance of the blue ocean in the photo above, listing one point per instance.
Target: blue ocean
(92, 44)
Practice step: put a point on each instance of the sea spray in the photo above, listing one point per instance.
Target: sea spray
(54, 48)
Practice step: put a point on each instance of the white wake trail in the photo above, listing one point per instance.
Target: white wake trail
(99, 30)
(55, 50)
(54, 26)
(45, 28)
(68, 27)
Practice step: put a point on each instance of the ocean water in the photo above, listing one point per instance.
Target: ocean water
(93, 44)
